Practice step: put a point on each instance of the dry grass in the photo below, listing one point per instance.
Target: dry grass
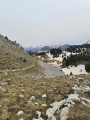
(12, 56)
(45, 58)
(79, 112)
(33, 82)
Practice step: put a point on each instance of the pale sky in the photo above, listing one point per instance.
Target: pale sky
(45, 22)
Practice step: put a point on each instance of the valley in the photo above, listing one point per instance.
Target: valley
(36, 88)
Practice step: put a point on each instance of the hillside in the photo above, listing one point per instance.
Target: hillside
(32, 91)
(12, 55)
(73, 58)
(79, 48)
(81, 56)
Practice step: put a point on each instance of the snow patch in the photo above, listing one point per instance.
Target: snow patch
(80, 69)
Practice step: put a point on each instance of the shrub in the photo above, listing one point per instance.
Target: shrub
(20, 58)
(71, 73)
(24, 60)
(87, 67)
(6, 37)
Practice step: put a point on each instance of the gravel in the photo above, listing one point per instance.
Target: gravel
(51, 71)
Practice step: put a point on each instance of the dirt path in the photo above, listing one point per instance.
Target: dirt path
(51, 71)
(32, 65)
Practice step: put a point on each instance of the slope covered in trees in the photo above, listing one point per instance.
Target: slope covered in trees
(55, 52)
(82, 58)
(79, 48)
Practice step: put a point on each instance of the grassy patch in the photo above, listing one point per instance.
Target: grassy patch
(32, 81)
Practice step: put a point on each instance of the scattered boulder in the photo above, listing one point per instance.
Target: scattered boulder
(29, 101)
(21, 96)
(32, 98)
(36, 103)
(22, 85)
(44, 96)
(39, 116)
(75, 85)
(81, 89)
(44, 105)
(72, 77)
(38, 113)
(21, 119)
(4, 90)
(38, 119)
(13, 85)
(23, 91)
(4, 83)
(20, 113)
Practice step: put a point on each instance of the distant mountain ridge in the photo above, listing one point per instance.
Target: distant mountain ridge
(46, 48)
(64, 47)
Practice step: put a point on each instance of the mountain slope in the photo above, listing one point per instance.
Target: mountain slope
(46, 48)
(64, 47)
(12, 56)
(88, 42)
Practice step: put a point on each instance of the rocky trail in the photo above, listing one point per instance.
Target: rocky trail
(51, 71)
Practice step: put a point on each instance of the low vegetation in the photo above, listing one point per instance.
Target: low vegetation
(21, 79)
(21, 85)
(87, 67)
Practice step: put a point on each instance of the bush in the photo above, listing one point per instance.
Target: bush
(87, 67)
(71, 73)
(6, 37)
(24, 60)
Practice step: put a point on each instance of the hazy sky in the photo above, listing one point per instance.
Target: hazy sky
(45, 22)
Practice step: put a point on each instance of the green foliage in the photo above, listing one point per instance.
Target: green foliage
(71, 73)
(55, 52)
(24, 60)
(87, 67)
(6, 37)
(79, 48)
(75, 59)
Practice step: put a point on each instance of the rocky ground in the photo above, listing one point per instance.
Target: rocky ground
(26, 94)
(35, 90)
